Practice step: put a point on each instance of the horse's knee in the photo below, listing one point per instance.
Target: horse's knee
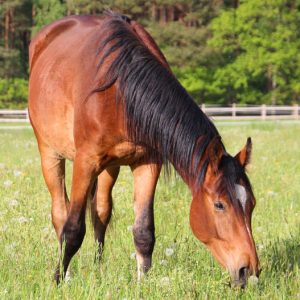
(73, 235)
(144, 240)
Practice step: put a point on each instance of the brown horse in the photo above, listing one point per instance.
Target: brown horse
(102, 95)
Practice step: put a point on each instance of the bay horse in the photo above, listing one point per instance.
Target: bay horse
(102, 95)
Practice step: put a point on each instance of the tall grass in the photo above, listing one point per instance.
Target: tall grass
(182, 267)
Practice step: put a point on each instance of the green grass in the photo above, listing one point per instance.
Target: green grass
(5, 124)
(28, 246)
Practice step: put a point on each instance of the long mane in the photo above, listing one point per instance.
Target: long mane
(159, 112)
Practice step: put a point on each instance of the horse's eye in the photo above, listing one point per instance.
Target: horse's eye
(219, 205)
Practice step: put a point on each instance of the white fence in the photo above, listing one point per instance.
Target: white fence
(260, 112)
(13, 115)
(234, 112)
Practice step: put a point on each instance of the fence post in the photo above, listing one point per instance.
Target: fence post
(233, 110)
(203, 107)
(296, 111)
(263, 111)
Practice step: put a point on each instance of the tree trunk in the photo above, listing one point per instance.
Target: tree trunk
(6, 29)
(236, 3)
(163, 15)
(154, 12)
(272, 84)
(12, 28)
(171, 14)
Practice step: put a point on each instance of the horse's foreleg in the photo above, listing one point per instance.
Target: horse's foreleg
(101, 206)
(74, 229)
(145, 180)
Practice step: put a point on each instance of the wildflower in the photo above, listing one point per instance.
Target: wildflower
(271, 194)
(163, 262)
(13, 203)
(29, 162)
(133, 256)
(8, 183)
(17, 173)
(165, 281)
(129, 228)
(22, 219)
(169, 252)
(45, 230)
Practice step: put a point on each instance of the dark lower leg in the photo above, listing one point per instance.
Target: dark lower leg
(144, 237)
(145, 179)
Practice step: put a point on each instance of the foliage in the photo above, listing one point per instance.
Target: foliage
(10, 63)
(223, 51)
(183, 46)
(13, 93)
(29, 252)
(259, 45)
(46, 12)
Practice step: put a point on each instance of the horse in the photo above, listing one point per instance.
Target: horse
(102, 95)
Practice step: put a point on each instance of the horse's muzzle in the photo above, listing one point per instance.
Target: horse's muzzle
(239, 279)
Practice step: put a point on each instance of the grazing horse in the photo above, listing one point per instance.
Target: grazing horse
(102, 94)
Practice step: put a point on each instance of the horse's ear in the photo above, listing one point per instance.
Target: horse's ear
(215, 151)
(244, 155)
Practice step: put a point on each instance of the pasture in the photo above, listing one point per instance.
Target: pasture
(182, 267)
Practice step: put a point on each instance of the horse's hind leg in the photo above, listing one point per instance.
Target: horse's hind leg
(101, 205)
(145, 180)
(53, 167)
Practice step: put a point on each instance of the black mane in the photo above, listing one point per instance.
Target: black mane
(160, 114)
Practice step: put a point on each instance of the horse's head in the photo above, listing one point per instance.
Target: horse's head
(221, 212)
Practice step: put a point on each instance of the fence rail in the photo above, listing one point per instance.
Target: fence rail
(260, 112)
(14, 115)
(234, 112)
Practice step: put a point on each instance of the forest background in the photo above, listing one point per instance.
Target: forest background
(222, 51)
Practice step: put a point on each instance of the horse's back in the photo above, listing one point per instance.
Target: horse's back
(61, 71)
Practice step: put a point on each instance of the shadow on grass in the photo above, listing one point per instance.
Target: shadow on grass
(283, 255)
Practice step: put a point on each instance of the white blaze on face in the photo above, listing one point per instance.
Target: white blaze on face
(241, 195)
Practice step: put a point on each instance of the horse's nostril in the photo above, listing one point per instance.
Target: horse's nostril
(243, 273)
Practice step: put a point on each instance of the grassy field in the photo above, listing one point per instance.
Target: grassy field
(28, 246)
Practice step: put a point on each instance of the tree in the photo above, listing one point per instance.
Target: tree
(16, 27)
(259, 45)
(46, 11)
